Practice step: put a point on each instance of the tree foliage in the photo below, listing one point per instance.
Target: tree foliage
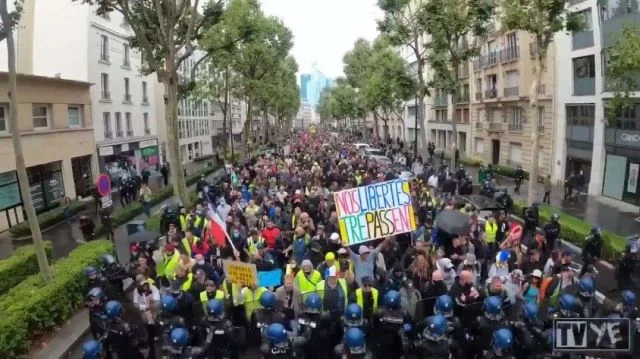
(13, 17)
(622, 71)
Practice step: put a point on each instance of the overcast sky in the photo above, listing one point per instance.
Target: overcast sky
(324, 30)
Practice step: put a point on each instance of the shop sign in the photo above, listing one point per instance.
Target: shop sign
(9, 196)
(105, 151)
(147, 143)
(124, 147)
(149, 151)
(628, 138)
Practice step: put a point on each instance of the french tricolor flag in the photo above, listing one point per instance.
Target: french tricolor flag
(217, 227)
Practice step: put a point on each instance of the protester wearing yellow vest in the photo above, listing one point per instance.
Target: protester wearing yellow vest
(210, 292)
(250, 297)
(170, 259)
(307, 279)
(367, 297)
(188, 241)
(253, 240)
(333, 283)
(184, 218)
(182, 278)
(491, 230)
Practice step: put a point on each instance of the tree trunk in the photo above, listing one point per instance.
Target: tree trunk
(538, 67)
(225, 114)
(247, 126)
(454, 125)
(376, 131)
(266, 124)
(420, 110)
(17, 148)
(171, 123)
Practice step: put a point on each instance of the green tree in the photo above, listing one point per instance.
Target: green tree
(9, 21)
(404, 28)
(542, 19)
(449, 24)
(345, 104)
(166, 32)
(286, 101)
(622, 72)
(326, 106)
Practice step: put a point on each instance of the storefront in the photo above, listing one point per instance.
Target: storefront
(128, 159)
(10, 198)
(622, 165)
(46, 185)
(150, 154)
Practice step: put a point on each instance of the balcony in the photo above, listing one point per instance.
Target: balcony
(496, 127)
(127, 98)
(126, 64)
(129, 133)
(515, 127)
(119, 133)
(462, 97)
(509, 54)
(147, 131)
(493, 93)
(440, 101)
(463, 71)
(479, 96)
(479, 126)
(582, 40)
(542, 90)
(108, 135)
(492, 59)
(104, 58)
(512, 91)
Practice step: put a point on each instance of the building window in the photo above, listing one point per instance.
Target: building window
(516, 118)
(4, 118)
(145, 119)
(104, 48)
(515, 154)
(119, 125)
(512, 41)
(106, 120)
(126, 61)
(145, 97)
(581, 115)
(584, 74)
(127, 120)
(127, 93)
(74, 113)
(628, 117)
(479, 145)
(41, 115)
(104, 85)
(541, 118)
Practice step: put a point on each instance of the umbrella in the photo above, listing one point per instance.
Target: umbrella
(453, 222)
(143, 236)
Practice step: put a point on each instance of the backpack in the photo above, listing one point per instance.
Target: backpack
(544, 286)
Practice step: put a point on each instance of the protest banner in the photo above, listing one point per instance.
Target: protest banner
(375, 211)
(272, 278)
(241, 273)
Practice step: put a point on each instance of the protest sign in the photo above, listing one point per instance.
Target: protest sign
(272, 278)
(241, 273)
(375, 211)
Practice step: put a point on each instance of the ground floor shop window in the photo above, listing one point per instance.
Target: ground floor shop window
(82, 175)
(46, 185)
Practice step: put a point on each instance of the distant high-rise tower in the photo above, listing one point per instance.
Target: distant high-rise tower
(311, 86)
(304, 82)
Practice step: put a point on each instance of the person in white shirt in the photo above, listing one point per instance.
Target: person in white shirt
(417, 168)
(433, 181)
(146, 298)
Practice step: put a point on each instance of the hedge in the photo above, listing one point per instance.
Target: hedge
(33, 307)
(575, 230)
(501, 170)
(120, 216)
(21, 264)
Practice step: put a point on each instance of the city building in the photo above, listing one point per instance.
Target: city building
(311, 86)
(304, 117)
(305, 79)
(412, 130)
(54, 117)
(606, 147)
(235, 122)
(85, 47)
(501, 118)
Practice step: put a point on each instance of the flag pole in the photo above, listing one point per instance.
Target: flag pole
(206, 194)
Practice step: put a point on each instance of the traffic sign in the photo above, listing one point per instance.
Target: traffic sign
(104, 185)
(106, 201)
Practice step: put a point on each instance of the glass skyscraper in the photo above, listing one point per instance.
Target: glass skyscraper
(311, 86)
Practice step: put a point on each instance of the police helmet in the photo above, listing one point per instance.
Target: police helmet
(530, 310)
(354, 340)
(268, 299)
(215, 308)
(107, 259)
(353, 315)
(436, 326)
(555, 217)
(628, 298)
(596, 230)
(95, 293)
(313, 303)
(179, 337)
(586, 287)
(168, 303)
(91, 350)
(392, 299)
(492, 306)
(89, 271)
(568, 303)
(503, 256)
(113, 309)
(407, 328)
(444, 306)
(502, 339)
(276, 333)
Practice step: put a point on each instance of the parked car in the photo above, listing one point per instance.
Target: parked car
(361, 146)
(370, 151)
(481, 204)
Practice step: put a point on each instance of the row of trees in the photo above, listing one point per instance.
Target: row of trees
(247, 57)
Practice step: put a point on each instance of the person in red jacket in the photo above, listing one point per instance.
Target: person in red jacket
(200, 247)
(271, 233)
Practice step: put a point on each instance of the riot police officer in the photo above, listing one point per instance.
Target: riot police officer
(222, 344)
(505, 200)
(280, 344)
(518, 178)
(435, 342)
(531, 220)
(444, 306)
(568, 307)
(592, 248)
(552, 231)
(94, 279)
(268, 314)
(386, 326)
(121, 336)
(179, 347)
(529, 333)
(586, 297)
(115, 275)
(628, 309)
(354, 345)
(97, 318)
(353, 318)
(501, 345)
(318, 325)
(486, 325)
(168, 319)
(92, 350)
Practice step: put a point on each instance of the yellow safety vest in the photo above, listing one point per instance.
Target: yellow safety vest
(204, 298)
(184, 221)
(308, 284)
(167, 267)
(491, 231)
(199, 220)
(186, 286)
(252, 245)
(358, 180)
(235, 290)
(187, 246)
(252, 300)
(342, 283)
(294, 221)
(360, 301)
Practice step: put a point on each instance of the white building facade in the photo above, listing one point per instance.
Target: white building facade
(85, 47)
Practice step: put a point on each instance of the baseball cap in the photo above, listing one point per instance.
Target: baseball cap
(536, 273)
(444, 263)
(342, 251)
(470, 259)
(363, 250)
(169, 247)
(329, 256)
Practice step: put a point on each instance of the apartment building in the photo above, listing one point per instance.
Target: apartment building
(604, 146)
(501, 117)
(235, 120)
(54, 119)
